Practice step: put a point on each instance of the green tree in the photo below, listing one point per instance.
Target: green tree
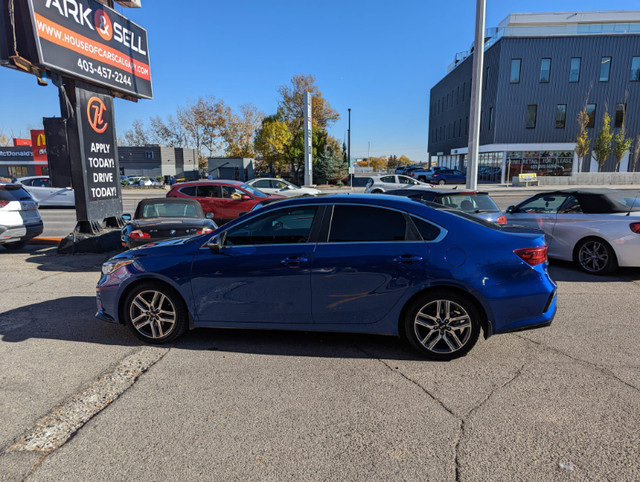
(291, 105)
(583, 143)
(602, 146)
(330, 167)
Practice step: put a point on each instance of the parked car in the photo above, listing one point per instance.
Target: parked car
(40, 189)
(476, 203)
(425, 174)
(490, 173)
(19, 217)
(226, 200)
(271, 185)
(379, 184)
(597, 229)
(163, 218)
(448, 176)
(349, 263)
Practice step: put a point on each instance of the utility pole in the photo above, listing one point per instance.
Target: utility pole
(349, 140)
(476, 98)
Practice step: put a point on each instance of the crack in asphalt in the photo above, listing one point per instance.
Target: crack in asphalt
(31, 283)
(461, 419)
(605, 370)
(64, 421)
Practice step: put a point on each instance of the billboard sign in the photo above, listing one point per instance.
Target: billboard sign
(90, 41)
(39, 145)
(98, 164)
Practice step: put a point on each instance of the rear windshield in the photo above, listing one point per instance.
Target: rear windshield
(169, 210)
(13, 193)
(628, 201)
(469, 203)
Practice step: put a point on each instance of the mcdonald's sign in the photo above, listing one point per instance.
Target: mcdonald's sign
(39, 145)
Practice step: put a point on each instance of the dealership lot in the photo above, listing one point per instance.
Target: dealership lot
(555, 403)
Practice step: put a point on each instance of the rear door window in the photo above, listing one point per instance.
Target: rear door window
(189, 191)
(356, 224)
(428, 231)
(209, 191)
(390, 179)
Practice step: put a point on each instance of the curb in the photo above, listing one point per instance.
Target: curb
(44, 240)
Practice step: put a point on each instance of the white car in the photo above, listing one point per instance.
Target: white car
(271, 185)
(39, 187)
(597, 229)
(379, 184)
(19, 217)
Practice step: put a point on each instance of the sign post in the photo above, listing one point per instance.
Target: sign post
(308, 141)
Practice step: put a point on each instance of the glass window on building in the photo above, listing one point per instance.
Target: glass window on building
(515, 71)
(543, 163)
(561, 116)
(591, 112)
(605, 68)
(17, 171)
(490, 118)
(464, 87)
(486, 79)
(620, 111)
(635, 69)
(574, 74)
(532, 114)
(545, 70)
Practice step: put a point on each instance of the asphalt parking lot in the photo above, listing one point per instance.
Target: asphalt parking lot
(82, 399)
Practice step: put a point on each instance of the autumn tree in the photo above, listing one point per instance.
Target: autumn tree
(138, 135)
(583, 143)
(272, 140)
(168, 132)
(291, 105)
(622, 144)
(240, 131)
(602, 146)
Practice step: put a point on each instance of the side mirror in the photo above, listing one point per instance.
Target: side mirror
(209, 215)
(245, 197)
(511, 209)
(215, 244)
(126, 217)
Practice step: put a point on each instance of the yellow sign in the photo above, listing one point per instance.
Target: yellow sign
(529, 176)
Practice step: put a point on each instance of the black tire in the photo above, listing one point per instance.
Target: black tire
(438, 334)
(595, 256)
(15, 245)
(162, 319)
(442, 182)
(377, 191)
(422, 178)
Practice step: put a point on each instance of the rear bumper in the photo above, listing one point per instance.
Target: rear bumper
(9, 234)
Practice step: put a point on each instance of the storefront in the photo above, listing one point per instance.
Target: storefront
(542, 163)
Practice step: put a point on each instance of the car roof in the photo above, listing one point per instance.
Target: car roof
(229, 182)
(595, 200)
(168, 200)
(25, 178)
(439, 191)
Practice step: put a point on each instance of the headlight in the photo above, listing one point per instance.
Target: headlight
(111, 266)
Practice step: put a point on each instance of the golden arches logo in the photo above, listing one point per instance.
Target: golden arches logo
(41, 140)
(95, 110)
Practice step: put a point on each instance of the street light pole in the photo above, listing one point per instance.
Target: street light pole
(476, 98)
(349, 140)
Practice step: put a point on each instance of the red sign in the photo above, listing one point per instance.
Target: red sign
(39, 146)
(21, 142)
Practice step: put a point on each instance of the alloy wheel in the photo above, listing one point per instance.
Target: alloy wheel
(153, 314)
(593, 256)
(442, 326)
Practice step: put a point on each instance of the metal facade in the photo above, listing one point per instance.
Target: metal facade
(510, 101)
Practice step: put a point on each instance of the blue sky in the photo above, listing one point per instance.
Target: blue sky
(379, 58)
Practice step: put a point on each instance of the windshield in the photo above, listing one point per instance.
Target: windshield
(253, 190)
(469, 203)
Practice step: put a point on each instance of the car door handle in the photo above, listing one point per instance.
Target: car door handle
(408, 259)
(294, 260)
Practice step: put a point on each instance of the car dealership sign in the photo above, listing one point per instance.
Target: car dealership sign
(87, 40)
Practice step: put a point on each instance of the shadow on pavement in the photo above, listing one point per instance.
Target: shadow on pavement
(48, 259)
(566, 271)
(72, 319)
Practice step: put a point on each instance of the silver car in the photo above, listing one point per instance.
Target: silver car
(271, 185)
(380, 184)
(40, 189)
(19, 217)
(597, 229)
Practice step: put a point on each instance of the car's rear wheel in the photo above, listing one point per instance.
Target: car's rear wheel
(442, 182)
(595, 256)
(155, 313)
(442, 325)
(377, 191)
(15, 244)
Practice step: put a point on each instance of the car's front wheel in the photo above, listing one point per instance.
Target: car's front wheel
(155, 313)
(442, 325)
(595, 256)
(442, 182)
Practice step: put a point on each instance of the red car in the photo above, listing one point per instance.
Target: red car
(225, 199)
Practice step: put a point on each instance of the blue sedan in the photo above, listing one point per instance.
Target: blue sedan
(343, 263)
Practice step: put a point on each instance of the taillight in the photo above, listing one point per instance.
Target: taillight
(138, 234)
(502, 219)
(369, 183)
(533, 256)
(635, 227)
(3, 203)
(204, 231)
